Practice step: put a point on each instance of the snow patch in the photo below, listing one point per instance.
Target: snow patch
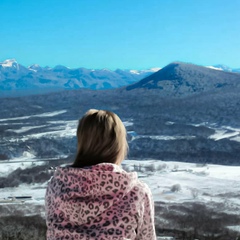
(128, 123)
(27, 154)
(215, 68)
(47, 114)
(234, 228)
(226, 132)
(25, 129)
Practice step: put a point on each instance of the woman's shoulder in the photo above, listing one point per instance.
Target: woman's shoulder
(144, 187)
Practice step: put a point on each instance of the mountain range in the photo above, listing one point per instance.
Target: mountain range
(14, 76)
(180, 78)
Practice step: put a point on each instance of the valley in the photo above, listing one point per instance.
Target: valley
(184, 143)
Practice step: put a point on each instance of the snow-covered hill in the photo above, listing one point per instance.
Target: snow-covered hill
(183, 79)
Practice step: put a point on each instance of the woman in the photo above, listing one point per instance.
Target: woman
(95, 198)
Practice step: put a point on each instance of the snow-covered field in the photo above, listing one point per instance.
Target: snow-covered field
(176, 182)
(193, 182)
(173, 185)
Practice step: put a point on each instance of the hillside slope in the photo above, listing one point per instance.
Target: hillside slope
(182, 79)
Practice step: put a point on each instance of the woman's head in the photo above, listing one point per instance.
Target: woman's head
(101, 138)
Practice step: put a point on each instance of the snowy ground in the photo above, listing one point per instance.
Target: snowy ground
(173, 184)
(169, 181)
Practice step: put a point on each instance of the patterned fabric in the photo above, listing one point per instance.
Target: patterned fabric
(97, 203)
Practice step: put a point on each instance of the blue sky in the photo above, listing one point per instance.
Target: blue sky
(127, 34)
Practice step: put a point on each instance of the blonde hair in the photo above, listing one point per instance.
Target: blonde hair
(101, 138)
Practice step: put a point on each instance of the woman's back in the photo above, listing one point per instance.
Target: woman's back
(95, 198)
(98, 202)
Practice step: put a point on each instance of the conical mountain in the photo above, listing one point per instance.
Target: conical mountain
(182, 79)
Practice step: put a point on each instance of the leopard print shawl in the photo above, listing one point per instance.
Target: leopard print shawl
(97, 203)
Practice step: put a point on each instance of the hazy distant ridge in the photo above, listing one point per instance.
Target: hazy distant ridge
(14, 76)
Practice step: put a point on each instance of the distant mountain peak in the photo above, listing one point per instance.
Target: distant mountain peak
(9, 63)
(61, 67)
(35, 67)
